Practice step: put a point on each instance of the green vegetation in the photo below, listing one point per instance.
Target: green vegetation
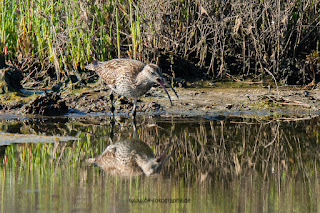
(240, 38)
(238, 163)
(236, 146)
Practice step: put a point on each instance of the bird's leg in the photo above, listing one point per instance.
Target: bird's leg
(112, 107)
(111, 137)
(134, 128)
(134, 108)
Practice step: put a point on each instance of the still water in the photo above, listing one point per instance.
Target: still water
(213, 164)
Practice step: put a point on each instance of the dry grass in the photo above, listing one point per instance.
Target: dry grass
(244, 38)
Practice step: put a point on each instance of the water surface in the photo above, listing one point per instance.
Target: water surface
(215, 164)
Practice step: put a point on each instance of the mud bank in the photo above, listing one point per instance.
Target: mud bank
(197, 101)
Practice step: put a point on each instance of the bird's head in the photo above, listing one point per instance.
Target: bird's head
(150, 167)
(154, 75)
(154, 165)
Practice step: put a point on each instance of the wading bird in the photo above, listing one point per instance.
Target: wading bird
(130, 157)
(130, 78)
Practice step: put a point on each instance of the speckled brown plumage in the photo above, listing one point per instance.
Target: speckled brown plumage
(129, 78)
(128, 158)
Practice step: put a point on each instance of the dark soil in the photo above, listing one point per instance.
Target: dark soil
(48, 104)
(10, 78)
(193, 101)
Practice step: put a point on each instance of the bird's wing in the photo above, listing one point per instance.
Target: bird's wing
(115, 69)
(128, 67)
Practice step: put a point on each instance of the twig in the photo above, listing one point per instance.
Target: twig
(287, 101)
(275, 81)
(237, 80)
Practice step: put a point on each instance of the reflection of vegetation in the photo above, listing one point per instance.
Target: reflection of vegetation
(237, 146)
(237, 163)
(228, 149)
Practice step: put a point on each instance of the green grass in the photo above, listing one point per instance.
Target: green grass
(61, 37)
(61, 33)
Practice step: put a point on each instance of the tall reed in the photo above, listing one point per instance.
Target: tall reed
(64, 35)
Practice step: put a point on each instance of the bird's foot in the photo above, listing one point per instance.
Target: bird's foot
(112, 109)
(133, 114)
(111, 97)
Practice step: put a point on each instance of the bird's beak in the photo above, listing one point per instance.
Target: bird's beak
(163, 158)
(162, 85)
(171, 88)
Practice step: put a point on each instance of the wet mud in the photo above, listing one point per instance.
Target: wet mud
(193, 101)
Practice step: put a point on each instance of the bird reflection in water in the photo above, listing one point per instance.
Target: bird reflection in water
(131, 157)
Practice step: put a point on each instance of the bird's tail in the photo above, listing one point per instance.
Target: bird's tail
(91, 160)
(92, 66)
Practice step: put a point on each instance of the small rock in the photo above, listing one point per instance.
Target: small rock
(151, 106)
(229, 106)
(306, 93)
(180, 82)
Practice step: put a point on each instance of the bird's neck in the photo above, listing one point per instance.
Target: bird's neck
(143, 81)
(146, 165)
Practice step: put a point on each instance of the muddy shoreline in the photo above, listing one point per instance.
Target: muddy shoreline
(193, 101)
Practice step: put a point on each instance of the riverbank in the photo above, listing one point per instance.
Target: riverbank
(193, 101)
